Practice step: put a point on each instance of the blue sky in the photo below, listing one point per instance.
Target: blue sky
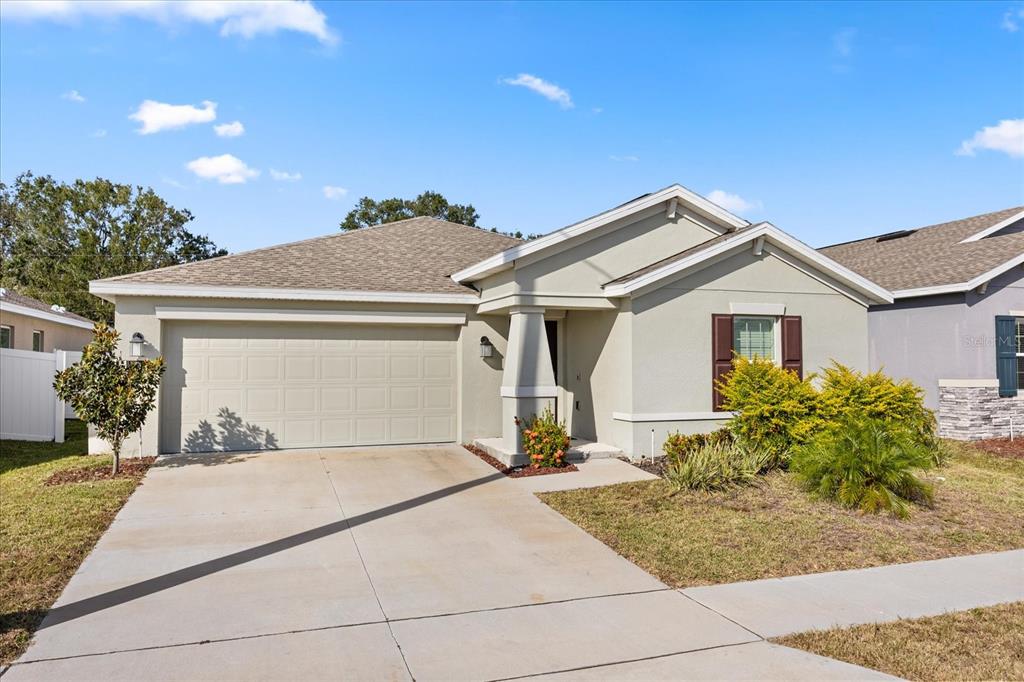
(834, 121)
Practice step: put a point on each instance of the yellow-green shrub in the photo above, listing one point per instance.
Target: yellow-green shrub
(775, 408)
(845, 391)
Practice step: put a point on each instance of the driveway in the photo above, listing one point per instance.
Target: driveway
(378, 563)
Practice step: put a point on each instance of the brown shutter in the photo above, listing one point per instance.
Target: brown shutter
(793, 344)
(721, 354)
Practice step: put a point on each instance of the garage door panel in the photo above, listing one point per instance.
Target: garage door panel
(248, 386)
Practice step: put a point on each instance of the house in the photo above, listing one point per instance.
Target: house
(425, 331)
(29, 324)
(956, 326)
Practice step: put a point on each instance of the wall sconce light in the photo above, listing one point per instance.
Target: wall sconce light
(138, 340)
(486, 347)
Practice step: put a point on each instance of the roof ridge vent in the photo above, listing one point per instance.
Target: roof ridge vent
(3, 292)
(58, 308)
(889, 236)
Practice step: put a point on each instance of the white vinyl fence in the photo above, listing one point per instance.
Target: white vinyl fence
(29, 409)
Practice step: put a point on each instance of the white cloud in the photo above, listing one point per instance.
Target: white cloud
(173, 183)
(225, 169)
(233, 129)
(333, 192)
(1011, 19)
(285, 176)
(733, 203)
(245, 18)
(1007, 137)
(543, 88)
(99, 132)
(842, 42)
(73, 96)
(157, 116)
(629, 157)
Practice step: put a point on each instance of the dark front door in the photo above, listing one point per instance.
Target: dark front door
(551, 329)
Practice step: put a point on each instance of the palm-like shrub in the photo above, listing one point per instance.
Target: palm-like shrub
(866, 463)
(715, 466)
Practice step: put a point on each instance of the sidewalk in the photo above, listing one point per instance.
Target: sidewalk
(782, 606)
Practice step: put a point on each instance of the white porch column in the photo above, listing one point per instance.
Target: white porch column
(528, 381)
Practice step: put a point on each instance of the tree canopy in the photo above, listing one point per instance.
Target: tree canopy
(432, 204)
(55, 237)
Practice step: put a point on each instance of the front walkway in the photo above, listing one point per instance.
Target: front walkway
(383, 563)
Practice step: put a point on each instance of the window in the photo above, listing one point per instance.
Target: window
(6, 336)
(37, 340)
(754, 337)
(1020, 354)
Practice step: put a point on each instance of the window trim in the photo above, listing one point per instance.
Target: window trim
(10, 335)
(42, 340)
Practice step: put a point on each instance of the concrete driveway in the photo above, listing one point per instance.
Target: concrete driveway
(379, 563)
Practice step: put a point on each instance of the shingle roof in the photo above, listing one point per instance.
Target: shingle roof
(677, 256)
(8, 296)
(413, 255)
(933, 255)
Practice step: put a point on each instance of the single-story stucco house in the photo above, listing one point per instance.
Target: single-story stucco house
(956, 326)
(27, 323)
(425, 331)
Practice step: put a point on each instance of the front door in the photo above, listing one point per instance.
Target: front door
(551, 329)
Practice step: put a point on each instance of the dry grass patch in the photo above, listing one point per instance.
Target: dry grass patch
(981, 644)
(47, 530)
(775, 529)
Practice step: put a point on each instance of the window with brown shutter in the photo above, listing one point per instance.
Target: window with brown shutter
(723, 345)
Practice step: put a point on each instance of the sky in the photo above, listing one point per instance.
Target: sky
(268, 121)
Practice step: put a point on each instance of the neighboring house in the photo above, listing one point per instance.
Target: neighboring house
(956, 327)
(426, 331)
(29, 324)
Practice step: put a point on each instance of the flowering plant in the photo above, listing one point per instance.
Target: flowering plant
(545, 440)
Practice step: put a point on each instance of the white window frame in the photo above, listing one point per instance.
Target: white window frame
(42, 340)
(776, 333)
(10, 335)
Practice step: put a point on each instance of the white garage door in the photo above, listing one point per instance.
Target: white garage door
(243, 386)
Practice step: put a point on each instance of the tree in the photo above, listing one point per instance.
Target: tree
(370, 212)
(55, 237)
(109, 392)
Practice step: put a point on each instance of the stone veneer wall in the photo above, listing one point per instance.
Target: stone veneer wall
(974, 410)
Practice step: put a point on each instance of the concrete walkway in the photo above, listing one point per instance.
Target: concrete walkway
(591, 474)
(782, 606)
(376, 564)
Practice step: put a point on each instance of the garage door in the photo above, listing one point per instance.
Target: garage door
(243, 386)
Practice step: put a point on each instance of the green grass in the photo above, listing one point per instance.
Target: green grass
(776, 529)
(980, 644)
(46, 531)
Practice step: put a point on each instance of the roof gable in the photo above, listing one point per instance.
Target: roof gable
(670, 197)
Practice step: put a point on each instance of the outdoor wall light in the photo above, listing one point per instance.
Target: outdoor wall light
(136, 344)
(486, 348)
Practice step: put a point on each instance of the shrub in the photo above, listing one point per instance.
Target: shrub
(877, 396)
(715, 466)
(866, 463)
(678, 446)
(776, 409)
(545, 440)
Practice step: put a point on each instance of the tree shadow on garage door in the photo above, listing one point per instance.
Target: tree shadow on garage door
(232, 433)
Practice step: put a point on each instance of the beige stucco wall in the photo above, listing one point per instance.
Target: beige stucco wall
(55, 336)
(480, 379)
(597, 370)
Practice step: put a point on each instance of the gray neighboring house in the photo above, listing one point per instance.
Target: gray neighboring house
(956, 327)
(425, 331)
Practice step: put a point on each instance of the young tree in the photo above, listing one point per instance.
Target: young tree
(109, 392)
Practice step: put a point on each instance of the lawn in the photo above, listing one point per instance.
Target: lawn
(981, 644)
(775, 529)
(46, 531)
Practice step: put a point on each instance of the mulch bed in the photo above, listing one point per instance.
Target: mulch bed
(132, 467)
(657, 467)
(1004, 447)
(521, 471)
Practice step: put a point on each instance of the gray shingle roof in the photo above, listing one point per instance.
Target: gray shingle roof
(932, 255)
(34, 303)
(413, 255)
